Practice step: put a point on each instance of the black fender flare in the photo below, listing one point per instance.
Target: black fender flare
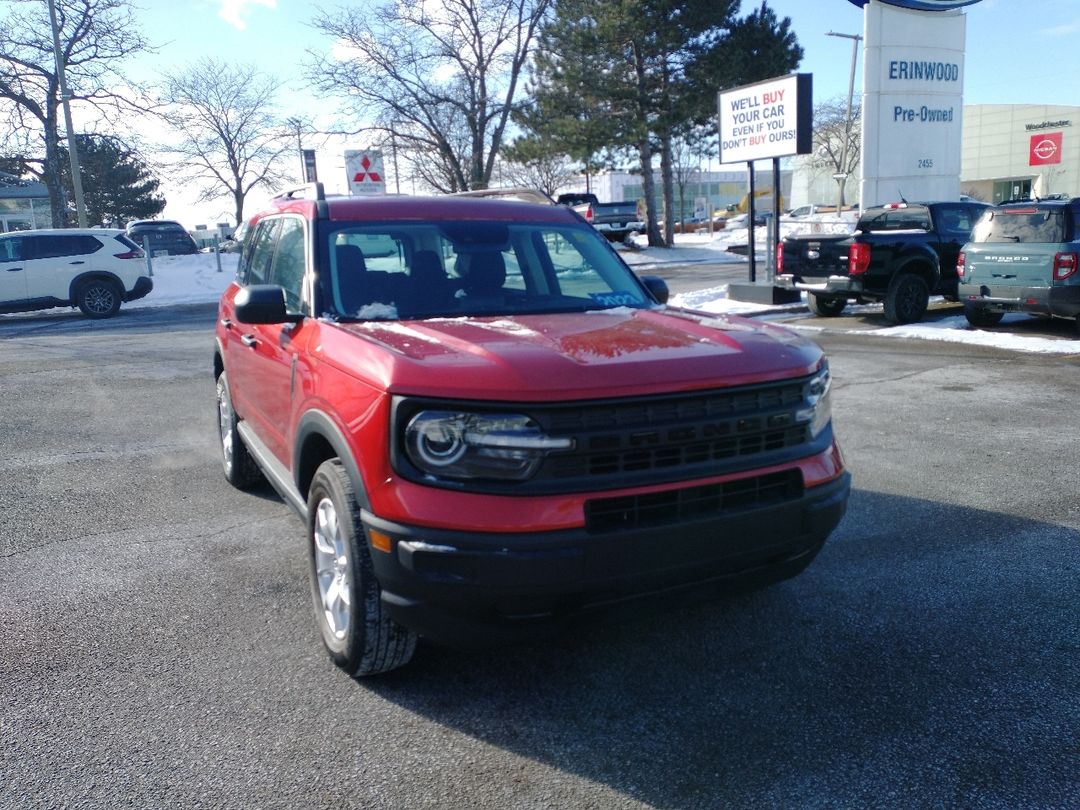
(315, 424)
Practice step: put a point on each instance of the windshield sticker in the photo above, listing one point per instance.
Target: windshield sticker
(615, 299)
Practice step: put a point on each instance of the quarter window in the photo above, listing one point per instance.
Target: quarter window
(289, 262)
(257, 261)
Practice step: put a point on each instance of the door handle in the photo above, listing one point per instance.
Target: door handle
(249, 340)
(79, 261)
(227, 323)
(14, 269)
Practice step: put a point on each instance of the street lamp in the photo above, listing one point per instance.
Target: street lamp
(842, 175)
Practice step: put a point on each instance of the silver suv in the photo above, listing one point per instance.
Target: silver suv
(93, 269)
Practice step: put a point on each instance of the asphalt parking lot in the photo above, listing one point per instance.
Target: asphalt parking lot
(156, 647)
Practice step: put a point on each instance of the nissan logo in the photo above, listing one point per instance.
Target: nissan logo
(1044, 149)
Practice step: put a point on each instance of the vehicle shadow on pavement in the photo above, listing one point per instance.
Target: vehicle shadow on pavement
(929, 653)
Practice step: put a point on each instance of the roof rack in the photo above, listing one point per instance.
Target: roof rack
(312, 191)
(533, 195)
(1047, 198)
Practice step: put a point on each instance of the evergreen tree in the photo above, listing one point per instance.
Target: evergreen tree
(117, 185)
(641, 73)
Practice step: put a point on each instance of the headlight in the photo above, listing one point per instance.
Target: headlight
(449, 444)
(817, 409)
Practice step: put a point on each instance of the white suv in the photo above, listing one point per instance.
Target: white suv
(94, 269)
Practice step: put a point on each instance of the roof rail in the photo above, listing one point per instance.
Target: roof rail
(312, 191)
(533, 195)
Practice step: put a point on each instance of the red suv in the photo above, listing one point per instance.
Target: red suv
(489, 424)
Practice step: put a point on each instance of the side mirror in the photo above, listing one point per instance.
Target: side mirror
(657, 288)
(263, 303)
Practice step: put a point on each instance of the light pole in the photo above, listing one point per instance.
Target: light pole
(65, 98)
(841, 176)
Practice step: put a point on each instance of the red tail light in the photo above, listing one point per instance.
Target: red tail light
(779, 259)
(961, 262)
(131, 254)
(1065, 265)
(588, 214)
(858, 259)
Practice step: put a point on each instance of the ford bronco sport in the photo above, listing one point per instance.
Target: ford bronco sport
(488, 423)
(1022, 257)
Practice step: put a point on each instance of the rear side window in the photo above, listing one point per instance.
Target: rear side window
(1027, 224)
(911, 217)
(127, 243)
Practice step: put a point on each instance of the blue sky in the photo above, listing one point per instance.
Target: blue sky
(1018, 51)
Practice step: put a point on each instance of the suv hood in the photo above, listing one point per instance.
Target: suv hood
(579, 355)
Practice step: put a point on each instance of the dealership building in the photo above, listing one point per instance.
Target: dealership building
(1008, 152)
(1015, 151)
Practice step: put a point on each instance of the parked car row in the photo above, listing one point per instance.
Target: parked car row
(1017, 256)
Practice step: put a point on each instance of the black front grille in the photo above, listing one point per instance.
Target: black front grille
(681, 505)
(685, 436)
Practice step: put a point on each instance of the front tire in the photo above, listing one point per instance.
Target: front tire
(824, 306)
(98, 298)
(981, 316)
(240, 468)
(359, 636)
(907, 299)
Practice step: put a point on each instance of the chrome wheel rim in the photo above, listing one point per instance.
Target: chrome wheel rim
(225, 429)
(332, 569)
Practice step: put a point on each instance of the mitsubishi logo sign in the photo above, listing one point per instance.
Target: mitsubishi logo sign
(365, 172)
(922, 5)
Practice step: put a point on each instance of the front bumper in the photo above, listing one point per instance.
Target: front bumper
(142, 288)
(464, 588)
(1062, 302)
(839, 286)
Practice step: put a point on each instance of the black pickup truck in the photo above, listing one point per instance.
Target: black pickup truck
(900, 254)
(615, 220)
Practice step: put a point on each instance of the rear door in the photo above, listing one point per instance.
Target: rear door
(12, 271)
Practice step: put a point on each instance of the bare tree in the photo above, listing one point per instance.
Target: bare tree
(832, 128)
(232, 140)
(439, 75)
(96, 36)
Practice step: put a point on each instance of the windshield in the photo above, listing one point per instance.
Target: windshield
(1021, 225)
(400, 270)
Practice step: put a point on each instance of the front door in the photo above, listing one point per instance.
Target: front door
(12, 272)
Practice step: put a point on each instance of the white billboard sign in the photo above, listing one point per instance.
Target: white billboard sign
(913, 101)
(365, 172)
(770, 119)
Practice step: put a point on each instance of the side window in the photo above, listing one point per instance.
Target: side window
(10, 249)
(259, 253)
(38, 247)
(955, 221)
(289, 263)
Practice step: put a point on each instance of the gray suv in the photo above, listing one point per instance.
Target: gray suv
(1023, 256)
